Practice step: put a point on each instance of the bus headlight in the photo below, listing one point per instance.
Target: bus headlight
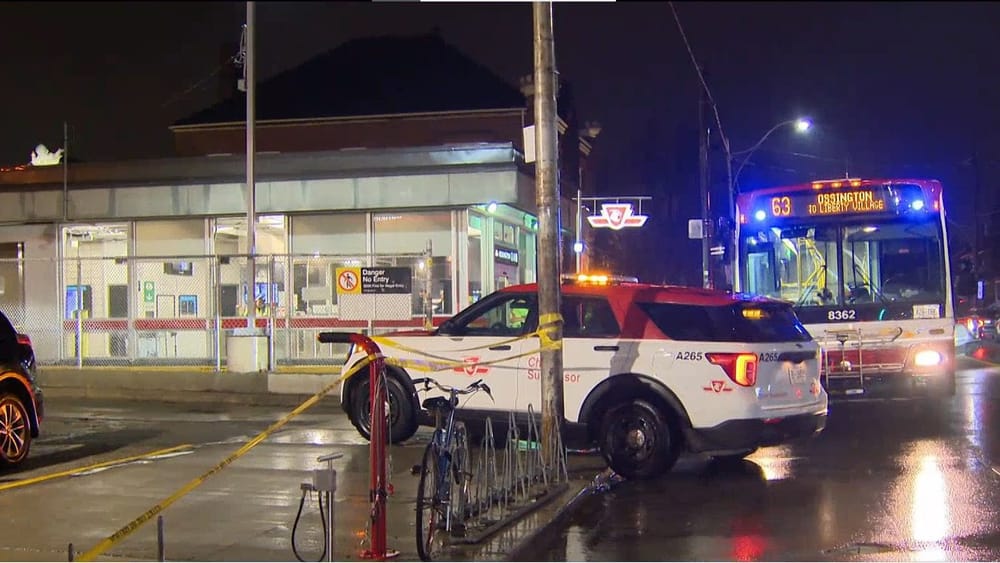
(927, 358)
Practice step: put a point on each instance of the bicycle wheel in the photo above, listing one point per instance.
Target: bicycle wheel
(461, 477)
(432, 508)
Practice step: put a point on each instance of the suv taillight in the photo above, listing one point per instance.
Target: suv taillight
(23, 339)
(740, 367)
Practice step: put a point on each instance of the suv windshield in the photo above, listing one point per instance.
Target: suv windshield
(740, 322)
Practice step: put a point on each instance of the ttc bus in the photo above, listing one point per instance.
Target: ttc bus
(865, 264)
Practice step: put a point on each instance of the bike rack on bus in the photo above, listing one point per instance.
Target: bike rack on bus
(378, 442)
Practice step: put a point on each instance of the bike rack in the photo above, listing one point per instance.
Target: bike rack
(378, 442)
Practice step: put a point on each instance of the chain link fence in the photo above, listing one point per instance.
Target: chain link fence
(182, 310)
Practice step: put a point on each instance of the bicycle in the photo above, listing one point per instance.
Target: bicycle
(440, 499)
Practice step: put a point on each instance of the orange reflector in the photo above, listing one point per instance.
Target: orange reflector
(837, 184)
(855, 183)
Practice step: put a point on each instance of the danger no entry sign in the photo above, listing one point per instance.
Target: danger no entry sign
(374, 280)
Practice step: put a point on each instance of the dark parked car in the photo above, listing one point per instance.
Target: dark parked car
(21, 407)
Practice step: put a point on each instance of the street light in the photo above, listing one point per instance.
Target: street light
(802, 125)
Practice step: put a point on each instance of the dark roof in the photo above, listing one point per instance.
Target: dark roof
(373, 76)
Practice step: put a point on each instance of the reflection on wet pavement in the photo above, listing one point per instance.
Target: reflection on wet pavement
(887, 480)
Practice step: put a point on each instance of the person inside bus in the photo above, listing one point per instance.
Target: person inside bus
(859, 293)
(825, 297)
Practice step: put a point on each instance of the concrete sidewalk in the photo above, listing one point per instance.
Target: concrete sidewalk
(184, 384)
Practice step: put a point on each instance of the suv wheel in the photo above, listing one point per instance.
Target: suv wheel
(15, 430)
(402, 418)
(638, 441)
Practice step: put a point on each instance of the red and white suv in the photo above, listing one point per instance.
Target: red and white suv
(649, 371)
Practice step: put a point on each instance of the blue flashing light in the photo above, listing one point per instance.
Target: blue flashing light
(917, 204)
(760, 215)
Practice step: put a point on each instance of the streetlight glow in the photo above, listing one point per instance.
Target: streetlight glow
(802, 124)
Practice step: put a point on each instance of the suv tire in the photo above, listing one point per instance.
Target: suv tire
(402, 416)
(638, 440)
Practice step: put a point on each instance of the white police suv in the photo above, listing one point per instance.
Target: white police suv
(649, 370)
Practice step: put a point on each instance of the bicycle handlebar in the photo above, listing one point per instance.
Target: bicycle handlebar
(471, 388)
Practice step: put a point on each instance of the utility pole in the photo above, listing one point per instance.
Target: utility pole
(249, 83)
(706, 198)
(547, 199)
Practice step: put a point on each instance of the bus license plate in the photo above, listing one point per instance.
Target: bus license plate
(854, 392)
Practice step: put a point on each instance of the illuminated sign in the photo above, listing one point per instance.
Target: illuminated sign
(505, 256)
(862, 201)
(616, 216)
(42, 157)
(820, 204)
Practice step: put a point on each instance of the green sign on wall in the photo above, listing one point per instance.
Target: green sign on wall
(148, 292)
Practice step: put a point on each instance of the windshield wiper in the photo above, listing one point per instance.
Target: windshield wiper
(871, 286)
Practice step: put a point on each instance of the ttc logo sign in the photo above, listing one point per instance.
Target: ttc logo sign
(616, 216)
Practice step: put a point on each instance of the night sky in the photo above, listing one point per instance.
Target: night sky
(895, 89)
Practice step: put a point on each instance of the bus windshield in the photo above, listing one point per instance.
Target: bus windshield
(836, 265)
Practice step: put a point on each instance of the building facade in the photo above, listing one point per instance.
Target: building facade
(391, 191)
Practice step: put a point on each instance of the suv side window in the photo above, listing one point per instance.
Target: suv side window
(508, 315)
(588, 317)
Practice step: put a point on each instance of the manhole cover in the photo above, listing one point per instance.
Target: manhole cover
(861, 548)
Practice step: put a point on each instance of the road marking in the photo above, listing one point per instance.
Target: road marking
(93, 468)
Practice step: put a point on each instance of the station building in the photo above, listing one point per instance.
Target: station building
(394, 153)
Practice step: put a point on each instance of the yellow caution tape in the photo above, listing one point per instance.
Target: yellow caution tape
(70, 472)
(547, 335)
(132, 526)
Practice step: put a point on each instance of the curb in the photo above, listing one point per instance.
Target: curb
(532, 540)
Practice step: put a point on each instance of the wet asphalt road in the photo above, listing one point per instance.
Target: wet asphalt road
(885, 481)
(897, 480)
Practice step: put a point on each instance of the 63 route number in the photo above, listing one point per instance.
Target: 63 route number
(842, 315)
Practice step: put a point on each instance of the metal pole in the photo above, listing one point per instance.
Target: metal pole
(428, 259)
(217, 305)
(730, 232)
(79, 307)
(547, 197)
(703, 136)
(65, 159)
(579, 229)
(377, 451)
(329, 516)
(161, 551)
(248, 70)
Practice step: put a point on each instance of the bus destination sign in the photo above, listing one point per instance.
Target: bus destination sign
(861, 201)
(823, 204)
